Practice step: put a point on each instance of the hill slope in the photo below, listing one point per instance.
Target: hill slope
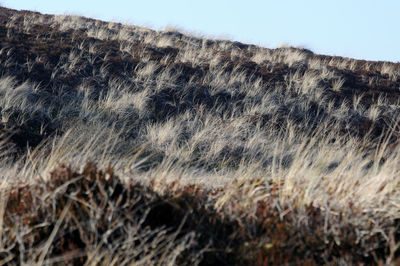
(218, 152)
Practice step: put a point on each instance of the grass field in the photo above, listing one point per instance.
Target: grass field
(121, 145)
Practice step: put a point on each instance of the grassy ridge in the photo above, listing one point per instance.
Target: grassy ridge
(222, 152)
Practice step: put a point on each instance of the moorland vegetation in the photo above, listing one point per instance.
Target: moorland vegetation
(124, 145)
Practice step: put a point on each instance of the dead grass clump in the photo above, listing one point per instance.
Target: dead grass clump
(92, 217)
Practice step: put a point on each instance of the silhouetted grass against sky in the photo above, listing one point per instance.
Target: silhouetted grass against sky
(361, 29)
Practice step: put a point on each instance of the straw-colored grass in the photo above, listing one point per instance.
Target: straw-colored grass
(205, 151)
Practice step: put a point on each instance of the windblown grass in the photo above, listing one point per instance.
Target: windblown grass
(219, 152)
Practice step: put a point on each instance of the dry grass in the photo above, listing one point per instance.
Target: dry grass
(261, 155)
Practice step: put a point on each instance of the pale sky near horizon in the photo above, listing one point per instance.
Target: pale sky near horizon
(363, 29)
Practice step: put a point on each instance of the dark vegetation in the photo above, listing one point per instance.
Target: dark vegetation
(120, 209)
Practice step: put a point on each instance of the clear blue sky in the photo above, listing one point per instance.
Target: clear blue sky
(364, 29)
